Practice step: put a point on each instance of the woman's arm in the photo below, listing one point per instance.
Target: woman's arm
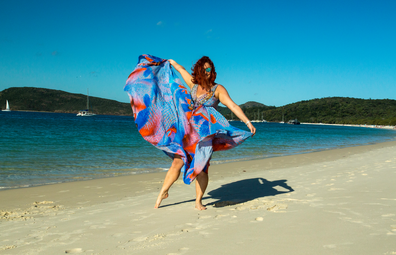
(222, 94)
(185, 75)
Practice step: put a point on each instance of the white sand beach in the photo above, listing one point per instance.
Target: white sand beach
(339, 201)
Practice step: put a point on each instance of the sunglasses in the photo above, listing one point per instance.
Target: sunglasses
(208, 69)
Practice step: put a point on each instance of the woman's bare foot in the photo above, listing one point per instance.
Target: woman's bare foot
(161, 196)
(199, 206)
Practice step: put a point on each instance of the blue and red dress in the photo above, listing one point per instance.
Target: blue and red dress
(175, 121)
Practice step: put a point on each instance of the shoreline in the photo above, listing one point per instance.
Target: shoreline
(253, 121)
(219, 162)
(353, 125)
(338, 201)
(127, 115)
(271, 163)
(327, 124)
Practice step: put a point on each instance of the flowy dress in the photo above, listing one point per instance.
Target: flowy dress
(176, 121)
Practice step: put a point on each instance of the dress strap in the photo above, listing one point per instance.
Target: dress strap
(193, 91)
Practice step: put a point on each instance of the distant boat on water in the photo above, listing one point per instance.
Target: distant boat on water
(294, 122)
(86, 113)
(7, 109)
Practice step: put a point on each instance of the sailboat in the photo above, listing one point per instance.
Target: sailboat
(7, 109)
(283, 117)
(86, 113)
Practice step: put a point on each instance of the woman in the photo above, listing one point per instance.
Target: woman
(187, 127)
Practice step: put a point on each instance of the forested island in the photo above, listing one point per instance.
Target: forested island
(51, 100)
(331, 110)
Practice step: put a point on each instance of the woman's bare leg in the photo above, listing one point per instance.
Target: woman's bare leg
(171, 176)
(201, 182)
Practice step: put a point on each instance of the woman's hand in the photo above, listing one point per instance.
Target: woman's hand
(185, 75)
(252, 128)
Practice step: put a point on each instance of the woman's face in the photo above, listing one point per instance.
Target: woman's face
(207, 72)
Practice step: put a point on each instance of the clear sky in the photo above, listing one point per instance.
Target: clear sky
(273, 52)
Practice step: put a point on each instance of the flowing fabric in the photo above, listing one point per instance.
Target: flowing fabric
(171, 119)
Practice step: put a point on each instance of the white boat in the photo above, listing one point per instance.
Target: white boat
(86, 113)
(294, 122)
(7, 109)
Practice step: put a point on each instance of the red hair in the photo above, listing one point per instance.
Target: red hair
(199, 75)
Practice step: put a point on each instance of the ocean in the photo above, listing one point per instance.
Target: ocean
(39, 148)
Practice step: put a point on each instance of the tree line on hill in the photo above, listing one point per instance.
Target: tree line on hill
(50, 100)
(331, 110)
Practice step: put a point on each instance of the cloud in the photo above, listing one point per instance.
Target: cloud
(55, 53)
(208, 34)
(160, 23)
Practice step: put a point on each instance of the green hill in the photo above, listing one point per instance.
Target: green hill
(50, 100)
(333, 110)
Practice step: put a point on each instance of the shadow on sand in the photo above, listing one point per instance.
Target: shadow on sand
(243, 191)
(247, 190)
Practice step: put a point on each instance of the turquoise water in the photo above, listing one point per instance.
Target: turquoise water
(44, 148)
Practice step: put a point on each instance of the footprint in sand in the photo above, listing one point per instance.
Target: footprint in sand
(43, 203)
(75, 250)
(97, 227)
(204, 233)
(204, 217)
(140, 239)
(7, 247)
(81, 203)
(220, 216)
(333, 189)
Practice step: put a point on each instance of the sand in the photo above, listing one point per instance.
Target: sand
(339, 201)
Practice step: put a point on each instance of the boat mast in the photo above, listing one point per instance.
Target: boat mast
(87, 99)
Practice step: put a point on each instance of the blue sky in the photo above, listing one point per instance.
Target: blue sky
(272, 52)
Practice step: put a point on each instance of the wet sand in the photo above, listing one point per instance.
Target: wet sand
(340, 201)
